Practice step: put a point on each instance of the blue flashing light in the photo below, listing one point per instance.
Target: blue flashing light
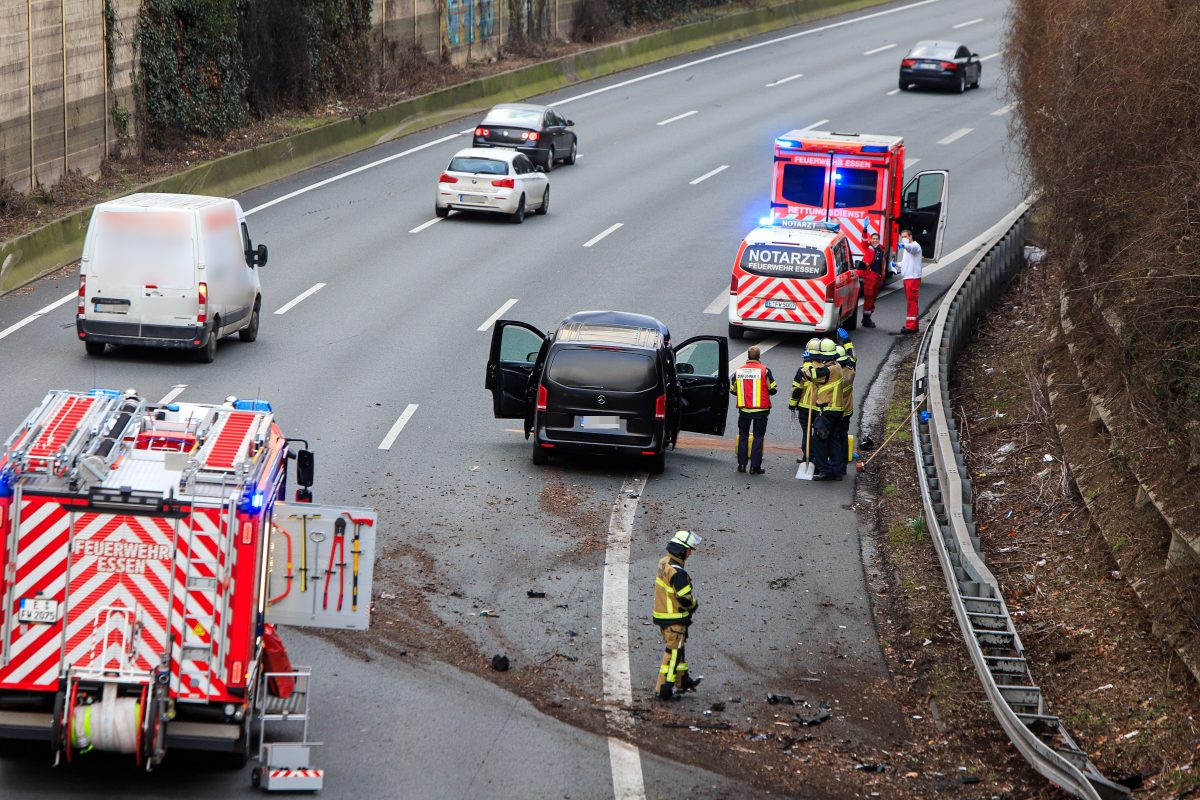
(787, 143)
(256, 501)
(766, 220)
(805, 224)
(252, 405)
(837, 176)
(171, 406)
(99, 392)
(873, 148)
(6, 478)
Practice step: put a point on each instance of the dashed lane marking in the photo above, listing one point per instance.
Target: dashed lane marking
(603, 233)
(969, 22)
(989, 58)
(954, 137)
(879, 49)
(398, 426)
(41, 312)
(784, 80)
(300, 298)
(718, 305)
(171, 395)
(709, 174)
(490, 321)
(1002, 110)
(677, 117)
(428, 224)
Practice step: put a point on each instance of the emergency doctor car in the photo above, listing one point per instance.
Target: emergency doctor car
(793, 275)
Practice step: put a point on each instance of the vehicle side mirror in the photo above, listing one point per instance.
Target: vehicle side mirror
(260, 256)
(685, 369)
(974, 55)
(539, 168)
(570, 122)
(305, 468)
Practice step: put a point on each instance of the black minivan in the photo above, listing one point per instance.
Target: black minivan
(608, 382)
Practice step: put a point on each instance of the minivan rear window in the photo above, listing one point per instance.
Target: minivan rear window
(134, 248)
(782, 261)
(602, 369)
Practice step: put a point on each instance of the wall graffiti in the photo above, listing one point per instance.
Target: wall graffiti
(470, 21)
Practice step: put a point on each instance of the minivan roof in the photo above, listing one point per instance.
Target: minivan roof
(158, 200)
(613, 327)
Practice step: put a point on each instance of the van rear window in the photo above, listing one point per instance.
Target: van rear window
(783, 262)
(602, 369)
(134, 248)
(804, 185)
(854, 188)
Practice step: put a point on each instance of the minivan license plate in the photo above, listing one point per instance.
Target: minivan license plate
(600, 423)
(38, 610)
(781, 304)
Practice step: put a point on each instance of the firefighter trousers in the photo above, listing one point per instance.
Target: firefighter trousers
(758, 421)
(912, 290)
(674, 664)
(841, 444)
(825, 448)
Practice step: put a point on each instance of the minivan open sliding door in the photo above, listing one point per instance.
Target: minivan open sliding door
(923, 210)
(515, 347)
(702, 367)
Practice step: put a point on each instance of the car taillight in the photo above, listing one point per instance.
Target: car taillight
(202, 300)
(482, 132)
(829, 290)
(505, 183)
(660, 407)
(908, 62)
(948, 65)
(542, 397)
(447, 178)
(82, 294)
(531, 136)
(733, 284)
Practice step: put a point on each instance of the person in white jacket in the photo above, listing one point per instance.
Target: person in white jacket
(909, 253)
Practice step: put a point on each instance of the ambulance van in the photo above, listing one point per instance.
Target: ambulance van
(796, 276)
(168, 270)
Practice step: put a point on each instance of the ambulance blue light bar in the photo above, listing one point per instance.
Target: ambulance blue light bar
(800, 224)
(873, 148)
(788, 143)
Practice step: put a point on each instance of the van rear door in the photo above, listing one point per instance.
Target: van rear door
(782, 283)
(702, 367)
(857, 196)
(924, 210)
(515, 347)
(141, 270)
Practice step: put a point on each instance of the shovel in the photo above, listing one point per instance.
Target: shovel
(807, 468)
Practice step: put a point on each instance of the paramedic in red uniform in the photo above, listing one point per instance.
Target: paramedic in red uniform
(873, 261)
(752, 384)
(909, 253)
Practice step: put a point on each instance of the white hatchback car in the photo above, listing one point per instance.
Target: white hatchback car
(484, 179)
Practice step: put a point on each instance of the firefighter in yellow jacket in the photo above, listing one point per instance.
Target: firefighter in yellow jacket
(674, 604)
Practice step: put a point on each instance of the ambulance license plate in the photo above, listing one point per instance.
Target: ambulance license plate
(38, 610)
(600, 423)
(781, 304)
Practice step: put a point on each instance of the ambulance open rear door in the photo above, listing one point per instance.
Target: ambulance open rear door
(923, 210)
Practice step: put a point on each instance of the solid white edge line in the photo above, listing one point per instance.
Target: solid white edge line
(709, 174)
(398, 426)
(428, 224)
(624, 759)
(718, 305)
(1002, 110)
(814, 125)
(989, 58)
(954, 137)
(968, 22)
(602, 234)
(490, 321)
(677, 118)
(784, 80)
(725, 54)
(41, 312)
(893, 91)
(763, 346)
(300, 298)
(879, 49)
(348, 173)
(171, 395)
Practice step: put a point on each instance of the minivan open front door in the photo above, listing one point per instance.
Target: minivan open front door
(515, 347)
(923, 210)
(702, 366)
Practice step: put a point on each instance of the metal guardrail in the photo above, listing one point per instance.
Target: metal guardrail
(987, 627)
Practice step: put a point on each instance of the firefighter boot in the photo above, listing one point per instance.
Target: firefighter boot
(688, 683)
(666, 692)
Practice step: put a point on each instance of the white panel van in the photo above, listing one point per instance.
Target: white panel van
(168, 270)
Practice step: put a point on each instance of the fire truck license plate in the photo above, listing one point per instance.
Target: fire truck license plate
(38, 610)
(780, 304)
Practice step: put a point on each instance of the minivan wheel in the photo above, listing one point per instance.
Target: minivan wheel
(658, 462)
(94, 348)
(518, 216)
(250, 332)
(208, 353)
(736, 331)
(540, 457)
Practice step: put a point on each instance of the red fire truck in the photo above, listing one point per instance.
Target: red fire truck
(855, 179)
(143, 550)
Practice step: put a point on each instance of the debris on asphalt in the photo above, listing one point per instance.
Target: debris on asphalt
(386, 596)
(500, 663)
(824, 713)
(780, 699)
(532, 593)
(703, 726)
(487, 612)
(717, 707)
(870, 767)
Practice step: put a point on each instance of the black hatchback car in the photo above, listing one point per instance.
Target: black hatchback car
(945, 64)
(539, 132)
(608, 382)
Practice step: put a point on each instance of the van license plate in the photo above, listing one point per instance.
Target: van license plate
(38, 610)
(600, 423)
(110, 308)
(781, 304)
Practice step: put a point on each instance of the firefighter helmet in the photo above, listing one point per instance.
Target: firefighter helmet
(685, 539)
(814, 346)
(828, 348)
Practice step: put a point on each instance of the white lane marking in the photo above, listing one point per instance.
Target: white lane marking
(784, 80)
(428, 224)
(602, 234)
(909, 162)
(718, 306)
(894, 91)
(677, 117)
(814, 126)
(624, 759)
(300, 298)
(490, 321)
(171, 395)
(41, 312)
(709, 174)
(398, 426)
(954, 137)
(989, 58)
(747, 48)
(879, 49)
(763, 346)
(968, 22)
(1002, 110)
(468, 130)
(354, 171)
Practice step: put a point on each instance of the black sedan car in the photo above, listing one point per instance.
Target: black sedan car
(538, 131)
(945, 64)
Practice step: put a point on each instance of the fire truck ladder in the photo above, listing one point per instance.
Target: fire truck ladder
(202, 644)
(54, 436)
(226, 447)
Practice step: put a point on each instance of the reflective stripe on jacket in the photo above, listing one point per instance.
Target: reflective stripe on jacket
(753, 386)
(673, 598)
(818, 386)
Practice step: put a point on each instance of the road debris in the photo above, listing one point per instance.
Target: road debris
(500, 663)
(533, 593)
(824, 713)
(779, 699)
